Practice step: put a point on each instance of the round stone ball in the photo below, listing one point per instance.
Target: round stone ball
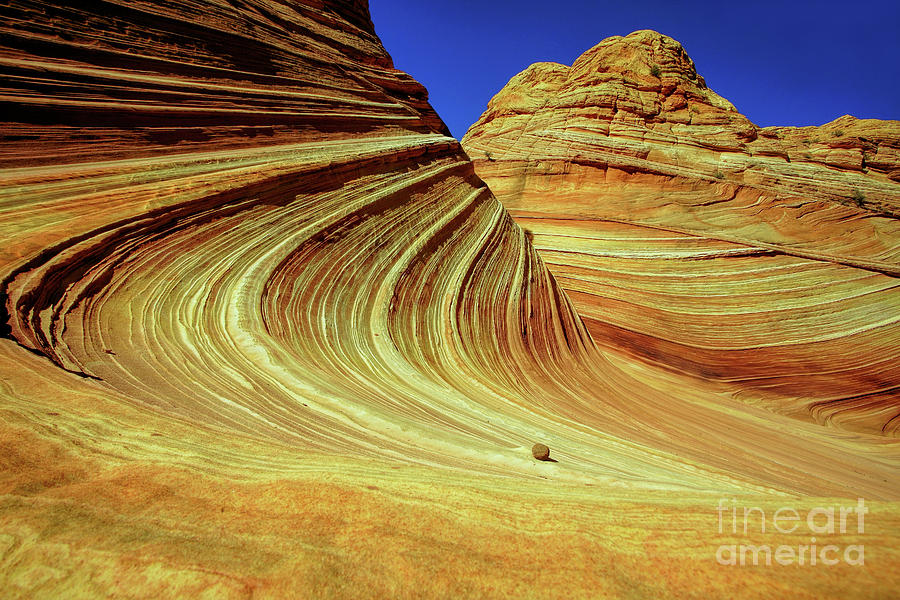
(540, 452)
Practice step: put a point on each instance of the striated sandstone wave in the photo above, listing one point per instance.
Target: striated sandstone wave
(689, 238)
(268, 335)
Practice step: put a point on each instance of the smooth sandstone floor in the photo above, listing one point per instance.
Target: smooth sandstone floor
(147, 506)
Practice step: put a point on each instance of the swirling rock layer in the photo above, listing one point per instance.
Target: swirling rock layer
(689, 238)
(266, 334)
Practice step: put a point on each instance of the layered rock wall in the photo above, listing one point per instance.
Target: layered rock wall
(689, 238)
(266, 334)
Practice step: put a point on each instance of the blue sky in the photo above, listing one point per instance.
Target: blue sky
(779, 63)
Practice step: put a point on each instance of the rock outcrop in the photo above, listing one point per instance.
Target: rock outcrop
(266, 334)
(689, 238)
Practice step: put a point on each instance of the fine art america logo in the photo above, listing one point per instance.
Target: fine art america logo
(815, 523)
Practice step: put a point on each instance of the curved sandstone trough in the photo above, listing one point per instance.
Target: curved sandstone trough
(267, 334)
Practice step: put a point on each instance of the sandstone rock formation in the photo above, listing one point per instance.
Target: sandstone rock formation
(689, 238)
(266, 334)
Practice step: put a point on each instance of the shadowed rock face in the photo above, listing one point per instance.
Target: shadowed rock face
(689, 238)
(267, 334)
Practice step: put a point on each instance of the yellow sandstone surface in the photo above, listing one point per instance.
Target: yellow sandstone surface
(267, 334)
